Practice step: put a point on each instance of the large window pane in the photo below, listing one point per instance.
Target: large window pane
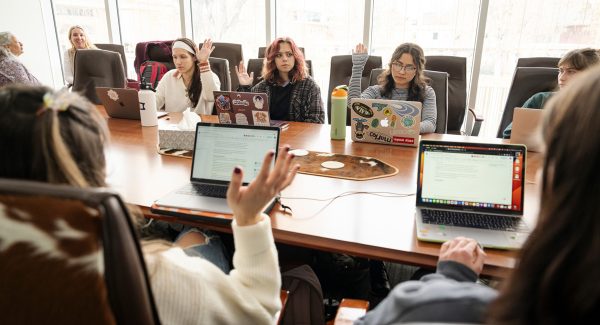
(525, 29)
(236, 21)
(324, 29)
(89, 14)
(147, 20)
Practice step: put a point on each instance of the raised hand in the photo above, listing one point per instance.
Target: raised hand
(360, 49)
(204, 53)
(243, 77)
(247, 202)
(465, 251)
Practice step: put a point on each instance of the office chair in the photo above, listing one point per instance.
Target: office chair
(439, 83)
(159, 51)
(97, 68)
(456, 67)
(340, 72)
(545, 62)
(231, 52)
(256, 65)
(221, 68)
(115, 48)
(263, 49)
(70, 256)
(527, 81)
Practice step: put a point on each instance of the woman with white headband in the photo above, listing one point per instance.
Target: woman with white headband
(191, 83)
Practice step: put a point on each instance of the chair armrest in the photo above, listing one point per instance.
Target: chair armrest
(350, 310)
(477, 120)
(283, 295)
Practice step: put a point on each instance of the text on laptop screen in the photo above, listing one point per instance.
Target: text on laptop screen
(219, 149)
(481, 177)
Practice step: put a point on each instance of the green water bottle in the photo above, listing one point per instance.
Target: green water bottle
(339, 102)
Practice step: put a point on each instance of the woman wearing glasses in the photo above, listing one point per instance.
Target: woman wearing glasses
(402, 80)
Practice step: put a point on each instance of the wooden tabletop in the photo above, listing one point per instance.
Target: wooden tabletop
(364, 225)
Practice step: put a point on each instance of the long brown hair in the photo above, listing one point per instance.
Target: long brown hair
(416, 89)
(270, 72)
(556, 279)
(195, 88)
(51, 137)
(581, 59)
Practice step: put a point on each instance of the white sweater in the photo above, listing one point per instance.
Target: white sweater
(191, 290)
(68, 67)
(172, 93)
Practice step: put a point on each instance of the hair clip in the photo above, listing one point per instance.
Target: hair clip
(56, 102)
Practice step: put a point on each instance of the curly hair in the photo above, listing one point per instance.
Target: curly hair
(416, 89)
(270, 72)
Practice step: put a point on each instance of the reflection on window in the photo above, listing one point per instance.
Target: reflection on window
(147, 20)
(527, 29)
(235, 21)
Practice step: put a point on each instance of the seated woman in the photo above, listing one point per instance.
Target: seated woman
(79, 41)
(293, 94)
(569, 65)
(59, 138)
(12, 71)
(191, 83)
(403, 79)
(553, 281)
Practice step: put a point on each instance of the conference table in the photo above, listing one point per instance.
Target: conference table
(365, 225)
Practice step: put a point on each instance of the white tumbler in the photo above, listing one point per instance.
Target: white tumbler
(147, 107)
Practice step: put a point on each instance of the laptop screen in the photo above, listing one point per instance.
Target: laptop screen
(221, 147)
(471, 176)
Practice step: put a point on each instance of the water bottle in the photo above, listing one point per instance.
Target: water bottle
(339, 102)
(147, 100)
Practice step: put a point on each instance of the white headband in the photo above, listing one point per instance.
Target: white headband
(183, 46)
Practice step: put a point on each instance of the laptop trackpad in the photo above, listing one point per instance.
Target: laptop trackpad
(195, 202)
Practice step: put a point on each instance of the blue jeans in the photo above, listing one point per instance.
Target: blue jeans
(212, 250)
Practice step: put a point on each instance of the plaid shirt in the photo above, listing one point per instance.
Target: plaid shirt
(306, 104)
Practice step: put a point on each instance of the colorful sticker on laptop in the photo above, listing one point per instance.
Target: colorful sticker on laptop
(113, 95)
(224, 118)
(362, 110)
(405, 109)
(360, 127)
(223, 102)
(260, 117)
(241, 119)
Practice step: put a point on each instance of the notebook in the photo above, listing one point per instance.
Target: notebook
(218, 148)
(121, 102)
(244, 108)
(473, 190)
(385, 121)
(525, 128)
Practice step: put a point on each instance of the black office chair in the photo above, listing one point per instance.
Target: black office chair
(256, 65)
(439, 83)
(263, 49)
(97, 68)
(232, 52)
(527, 81)
(221, 68)
(340, 72)
(545, 62)
(70, 256)
(115, 48)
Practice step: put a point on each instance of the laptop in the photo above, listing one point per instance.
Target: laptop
(121, 102)
(234, 107)
(473, 190)
(394, 122)
(218, 148)
(525, 128)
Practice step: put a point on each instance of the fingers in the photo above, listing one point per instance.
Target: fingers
(235, 184)
(252, 75)
(281, 166)
(240, 68)
(265, 168)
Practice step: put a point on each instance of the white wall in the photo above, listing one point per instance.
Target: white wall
(34, 28)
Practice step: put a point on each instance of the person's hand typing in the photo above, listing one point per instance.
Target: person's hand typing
(247, 202)
(204, 53)
(465, 251)
(243, 77)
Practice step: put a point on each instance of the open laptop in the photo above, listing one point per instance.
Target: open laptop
(121, 102)
(218, 148)
(234, 107)
(525, 128)
(473, 190)
(385, 121)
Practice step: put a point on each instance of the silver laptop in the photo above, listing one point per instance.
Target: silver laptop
(525, 128)
(385, 121)
(218, 148)
(473, 190)
(121, 102)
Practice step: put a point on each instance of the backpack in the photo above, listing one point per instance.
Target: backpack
(151, 72)
(305, 300)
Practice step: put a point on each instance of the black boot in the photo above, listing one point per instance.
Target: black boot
(380, 286)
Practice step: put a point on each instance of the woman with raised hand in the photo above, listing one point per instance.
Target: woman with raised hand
(293, 94)
(59, 138)
(191, 83)
(403, 79)
(79, 40)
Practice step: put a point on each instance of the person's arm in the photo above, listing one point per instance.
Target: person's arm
(429, 112)
(359, 60)
(68, 67)
(161, 92)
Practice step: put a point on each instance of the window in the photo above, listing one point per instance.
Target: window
(526, 29)
(147, 20)
(239, 21)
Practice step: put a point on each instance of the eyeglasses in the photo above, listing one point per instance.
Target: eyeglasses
(408, 68)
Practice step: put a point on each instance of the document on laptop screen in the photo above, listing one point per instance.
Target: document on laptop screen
(219, 149)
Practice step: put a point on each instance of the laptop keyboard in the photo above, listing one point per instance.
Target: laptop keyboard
(204, 189)
(472, 220)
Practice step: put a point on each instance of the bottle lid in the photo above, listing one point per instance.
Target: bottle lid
(340, 91)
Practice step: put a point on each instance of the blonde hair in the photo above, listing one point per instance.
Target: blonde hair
(87, 43)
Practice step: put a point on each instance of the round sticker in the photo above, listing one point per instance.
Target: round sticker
(299, 152)
(331, 164)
